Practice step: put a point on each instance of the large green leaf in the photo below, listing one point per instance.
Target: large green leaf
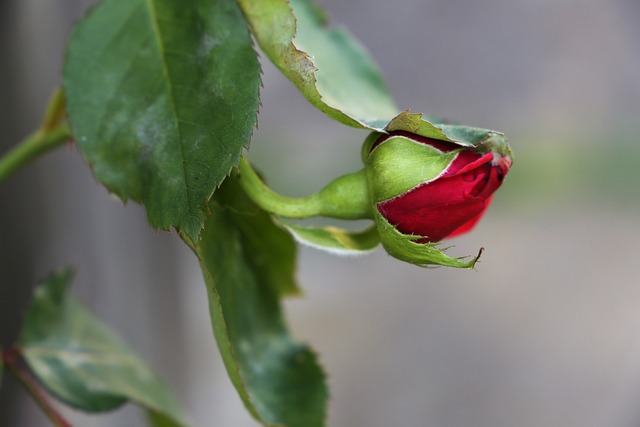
(336, 74)
(83, 363)
(248, 264)
(327, 65)
(162, 96)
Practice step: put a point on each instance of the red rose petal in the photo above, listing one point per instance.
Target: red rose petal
(449, 205)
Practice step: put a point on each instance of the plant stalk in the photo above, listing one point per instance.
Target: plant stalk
(346, 197)
(34, 145)
(11, 359)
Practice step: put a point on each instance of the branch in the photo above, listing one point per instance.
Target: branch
(53, 132)
(33, 146)
(11, 359)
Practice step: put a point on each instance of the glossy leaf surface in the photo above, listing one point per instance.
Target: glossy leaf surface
(248, 264)
(82, 362)
(162, 96)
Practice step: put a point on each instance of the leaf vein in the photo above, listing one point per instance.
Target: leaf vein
(170, 88)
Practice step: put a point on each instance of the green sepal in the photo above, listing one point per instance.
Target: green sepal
(405, 248)
(399, 164)
(338, 241)
(367, 144)
(484, 140)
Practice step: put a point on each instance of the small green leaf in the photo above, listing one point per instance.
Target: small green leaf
(162, 96)
(248, 264)
(82, 362)
(331, 69)
(336, 240)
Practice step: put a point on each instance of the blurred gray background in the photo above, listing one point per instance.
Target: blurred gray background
(545, 333)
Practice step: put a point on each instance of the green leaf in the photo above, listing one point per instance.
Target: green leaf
(336, 240)
(248, 264)
(82, 362)
(331, 69)
(162, 96)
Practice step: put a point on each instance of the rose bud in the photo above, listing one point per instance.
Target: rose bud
(425, 190)
(418, 190)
